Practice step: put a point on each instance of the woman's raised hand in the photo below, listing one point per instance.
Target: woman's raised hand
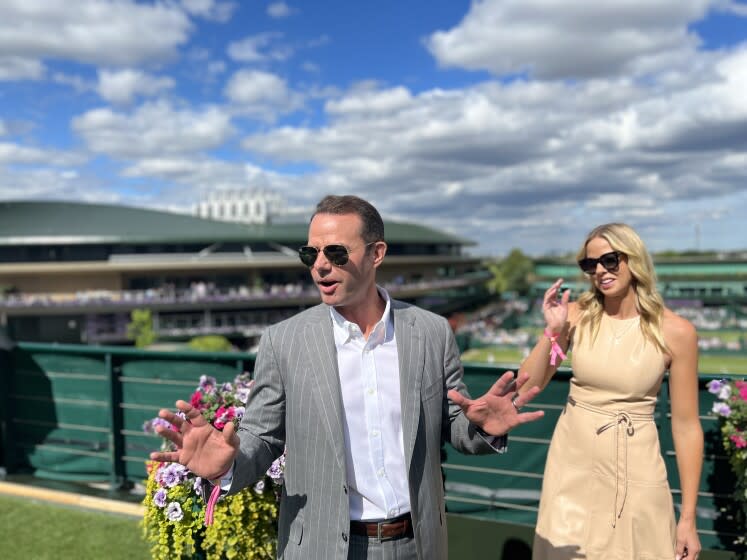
(554, 308)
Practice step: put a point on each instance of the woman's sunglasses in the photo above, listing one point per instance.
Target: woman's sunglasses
(610, 261)
(338, 255)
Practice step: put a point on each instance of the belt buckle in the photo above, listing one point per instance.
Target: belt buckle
(379, 525)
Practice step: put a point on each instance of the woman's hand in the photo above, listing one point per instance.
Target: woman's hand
(688, 543)
(555, 309)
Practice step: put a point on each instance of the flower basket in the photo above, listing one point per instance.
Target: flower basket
(731, 408)
(244, 524)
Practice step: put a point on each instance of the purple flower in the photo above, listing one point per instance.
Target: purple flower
(174, 512)
(725, 392)
(226, 388)
(722, 409)
(242, 394)
(197, 486)
(159, 498)
(149, 427)
(239, 410)
(275, 472)
(715, 385)
(208, 384)
(171, 474)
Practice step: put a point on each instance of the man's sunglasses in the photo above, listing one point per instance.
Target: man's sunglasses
(610, 261)
(338, 255)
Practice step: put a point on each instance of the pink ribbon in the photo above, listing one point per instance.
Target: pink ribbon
(555, 349)
(210, 509)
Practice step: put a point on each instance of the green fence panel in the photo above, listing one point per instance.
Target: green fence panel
(77, 412)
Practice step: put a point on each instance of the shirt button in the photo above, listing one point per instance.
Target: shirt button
(345, 537)
(380, 472)
(392, 512)
(371, 391)
(374, 433)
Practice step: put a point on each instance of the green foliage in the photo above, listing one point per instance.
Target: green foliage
(140, 328)
(210, 343)
(512, 274)
(244, 524)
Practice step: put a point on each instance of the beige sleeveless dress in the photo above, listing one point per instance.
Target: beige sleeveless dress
(605, 493)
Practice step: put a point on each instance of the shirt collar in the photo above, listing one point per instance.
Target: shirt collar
(344, 330)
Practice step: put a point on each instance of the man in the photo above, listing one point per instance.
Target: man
(356, 389)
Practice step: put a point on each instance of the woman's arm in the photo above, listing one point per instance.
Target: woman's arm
(687, 432)
(557, 313)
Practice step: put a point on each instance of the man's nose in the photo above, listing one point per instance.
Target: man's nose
(321, 262)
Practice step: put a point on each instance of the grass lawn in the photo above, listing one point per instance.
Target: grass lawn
(708, 363)
(35, 530)
(493, 355)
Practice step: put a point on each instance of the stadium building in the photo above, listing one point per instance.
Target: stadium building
(718, 280)
(73, 272)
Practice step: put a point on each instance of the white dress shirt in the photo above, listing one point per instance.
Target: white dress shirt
(372, 417)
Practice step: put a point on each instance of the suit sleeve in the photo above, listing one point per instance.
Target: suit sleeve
(459, 431)
(262, 429)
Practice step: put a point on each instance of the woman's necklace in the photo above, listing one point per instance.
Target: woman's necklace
(617, 335)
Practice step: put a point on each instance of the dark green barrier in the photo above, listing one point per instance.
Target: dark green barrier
(76, 412)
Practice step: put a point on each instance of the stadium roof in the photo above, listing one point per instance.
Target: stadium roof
(74, 223)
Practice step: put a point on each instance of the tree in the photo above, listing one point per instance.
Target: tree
(140, 328)
(210, 343)
(512, 274)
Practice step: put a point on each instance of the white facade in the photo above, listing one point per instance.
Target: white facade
(251, 206)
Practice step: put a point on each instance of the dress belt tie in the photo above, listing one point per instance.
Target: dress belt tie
(622, 434)
(621, 459)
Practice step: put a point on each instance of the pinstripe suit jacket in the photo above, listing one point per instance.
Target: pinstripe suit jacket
(296, 402)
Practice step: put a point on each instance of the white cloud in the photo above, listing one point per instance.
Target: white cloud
(20, 68)
(261, 93)
(254, 48)
(566, 39)
(44, 183)
(123, 86)
(153, 128)
(572, 153)
(18, 154)
(210, 9)
(107, 32)
(279, 10)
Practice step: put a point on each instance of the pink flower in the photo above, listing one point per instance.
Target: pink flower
(196, 400)
(742, 386)
(223, 416)
(739, 441)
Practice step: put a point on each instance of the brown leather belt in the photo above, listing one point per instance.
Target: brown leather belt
(388, 529)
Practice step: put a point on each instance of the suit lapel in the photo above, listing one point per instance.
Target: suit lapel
(320, 346)
(411, 356)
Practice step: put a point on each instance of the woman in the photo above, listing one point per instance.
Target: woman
(605, 492)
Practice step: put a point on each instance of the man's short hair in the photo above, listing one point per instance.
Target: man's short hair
(373, 225)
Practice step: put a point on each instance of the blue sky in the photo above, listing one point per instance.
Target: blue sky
(516, 123)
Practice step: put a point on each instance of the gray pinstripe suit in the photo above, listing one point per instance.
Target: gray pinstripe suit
(297, 402)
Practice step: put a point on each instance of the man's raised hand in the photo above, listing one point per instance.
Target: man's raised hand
(497, 411)
(200, 447)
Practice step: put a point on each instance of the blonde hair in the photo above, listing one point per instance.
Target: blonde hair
(649, 303)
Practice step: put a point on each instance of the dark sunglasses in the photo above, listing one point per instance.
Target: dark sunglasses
(338, 255)
(610, 261)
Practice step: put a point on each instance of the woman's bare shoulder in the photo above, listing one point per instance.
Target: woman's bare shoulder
(677, 329)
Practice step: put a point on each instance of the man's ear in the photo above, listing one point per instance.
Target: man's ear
(379, 250)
